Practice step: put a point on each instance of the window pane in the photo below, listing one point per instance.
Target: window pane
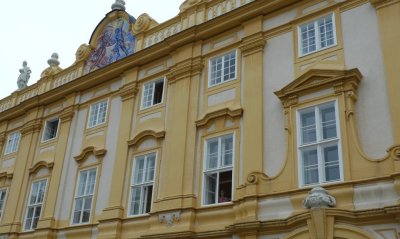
(212, 154)
(151, 160)
(82, 183)
(310, 166)
(325, 26)
(138, 171)
(308, 127)
(225, 187)
(216, 71)
(227, 147)
(91, 182)
(135, 200)
(210, 188)
(331, 158)
(328, 122)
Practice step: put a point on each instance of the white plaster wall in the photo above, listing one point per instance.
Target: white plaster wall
(104, 184)
(278, 72)
(275, 208)
(376, 195)
(363, 50)
(68, 176)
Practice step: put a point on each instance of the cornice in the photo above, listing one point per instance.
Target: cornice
(67, 114)
(147, 133)
(253, 44)
(6, 175)
(217, 114)
(87, 151)
(316, 79)
(41, 164)
(32, 127)
(185, 69)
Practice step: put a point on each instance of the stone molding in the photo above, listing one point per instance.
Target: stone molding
(217, 114)
(317, 198)
(169, 218)
(89, 150)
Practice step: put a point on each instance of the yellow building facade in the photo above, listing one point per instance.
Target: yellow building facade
(239, 119)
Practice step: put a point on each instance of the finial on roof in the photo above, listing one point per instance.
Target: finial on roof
(53, 61)
(24, 76)
(118, 5)
(53, 66)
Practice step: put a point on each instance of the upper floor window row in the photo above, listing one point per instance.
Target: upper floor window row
(317, 35)
(12, 143)
(152, 93)
(98, 113)
(222, 68)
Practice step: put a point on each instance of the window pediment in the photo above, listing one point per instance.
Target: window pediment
(319, 79)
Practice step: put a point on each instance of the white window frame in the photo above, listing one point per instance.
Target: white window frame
(222, 57)
(12, 143)
(319, 144)
(84, 197)
(3, 191)
(45, 129)
(153, 82)
(97, 116)
(317, 36)
(36, 204)
(142, 185)
(219, 169)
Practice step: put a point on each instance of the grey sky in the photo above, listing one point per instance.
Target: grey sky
(33, 29)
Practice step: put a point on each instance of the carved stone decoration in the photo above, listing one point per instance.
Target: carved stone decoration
(118, 5)
(187, 4)
(169, 218)
(53, 66)
(143, 23)
(83, 52)
(318, 197)
(25, 74)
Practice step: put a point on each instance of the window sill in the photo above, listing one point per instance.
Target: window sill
(215, 205)
(151, 109)
(339, 181)
(222, 85)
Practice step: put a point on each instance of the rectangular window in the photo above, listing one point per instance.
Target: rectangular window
(218, 168)
(84, 196)
(35, 204)
(98, 113)
(3, 193)
(142, 184)
(12, 143)
(152, 93)
(319, 148)
(317, 35)
(222, 68)
(50, 129)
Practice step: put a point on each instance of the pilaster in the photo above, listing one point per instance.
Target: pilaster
(252, 48)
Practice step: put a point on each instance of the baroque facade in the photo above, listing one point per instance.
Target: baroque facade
(235, 119)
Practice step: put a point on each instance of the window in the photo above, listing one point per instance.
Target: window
(2, 200)
(142, 184)
(13, 143)
(51, 129)
(84, 196)
(218, 165)
(317, 35)
(35, 204)
(222, 68)
(152, 93)
(97, 114)
(319, 148)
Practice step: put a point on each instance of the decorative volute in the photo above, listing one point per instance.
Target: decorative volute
(53, 66)
(143, 23)
(318, 197)
(118, 5)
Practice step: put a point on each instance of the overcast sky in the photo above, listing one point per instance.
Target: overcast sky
(33, 29)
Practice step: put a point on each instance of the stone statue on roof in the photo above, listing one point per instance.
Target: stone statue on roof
(118, 5)
(25, 74)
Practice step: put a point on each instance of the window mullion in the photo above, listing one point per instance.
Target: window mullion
(317, 36)
(217, 189)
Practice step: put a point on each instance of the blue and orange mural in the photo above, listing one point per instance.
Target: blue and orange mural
(114, 43)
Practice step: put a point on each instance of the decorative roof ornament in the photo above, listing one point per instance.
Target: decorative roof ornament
(318, 197)
(118, 5)
(83, 52)
(53, 66)
(25, 74)
(143, 23)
